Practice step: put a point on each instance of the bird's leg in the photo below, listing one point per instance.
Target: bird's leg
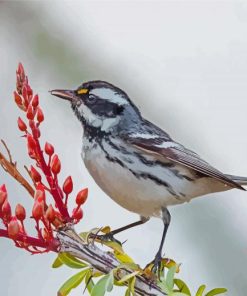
(110, 235)
(158, 257)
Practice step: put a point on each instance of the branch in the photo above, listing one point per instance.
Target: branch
(10, 167)
(104, 262)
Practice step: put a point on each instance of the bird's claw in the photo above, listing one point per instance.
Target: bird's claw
(157, 265)
(106, 237)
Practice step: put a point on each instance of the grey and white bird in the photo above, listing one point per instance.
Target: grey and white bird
(135, 162)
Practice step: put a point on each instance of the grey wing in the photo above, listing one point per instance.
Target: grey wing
(153, 142)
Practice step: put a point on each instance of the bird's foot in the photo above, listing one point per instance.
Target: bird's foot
(157, 264)
(106, 238)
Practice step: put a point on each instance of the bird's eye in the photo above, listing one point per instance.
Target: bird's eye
(92, 99)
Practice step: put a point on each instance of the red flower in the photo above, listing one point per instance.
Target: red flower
(40, 115)
(81, 196)
(50, 214)
(17, 98)
(31, 142)
(6, 210)
(68, 185)
(13, 228)
(30, 113)
(77, 214)
(38, 209)
(55, 165)
(3, 194)
(21, 125)
(35, 101)
(35, 175)
(49, 149)
(20, 212)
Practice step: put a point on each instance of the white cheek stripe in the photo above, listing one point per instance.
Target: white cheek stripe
(109, 122)
(109, 95)
(87, 114)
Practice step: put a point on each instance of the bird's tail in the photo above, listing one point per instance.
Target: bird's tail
(239, 180)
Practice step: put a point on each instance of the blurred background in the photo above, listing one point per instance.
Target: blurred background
(185, 65)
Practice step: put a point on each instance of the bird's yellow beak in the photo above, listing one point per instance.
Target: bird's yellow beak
(65, 94)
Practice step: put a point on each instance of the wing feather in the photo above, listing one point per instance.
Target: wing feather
(179, 154)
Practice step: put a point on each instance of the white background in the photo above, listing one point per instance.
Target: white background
(185, 65)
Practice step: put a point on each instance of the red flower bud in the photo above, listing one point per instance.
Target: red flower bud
(35, 101)
(39, 195)
(49, 149)
(38, 209)
(18, 99)
(81, 196)
(24, 94)
(50, 214)
(3, 194)
(20, 212)
(45, 234)
(13, 228)
(30, 114)
(68, 185)
(77, 214)
(21, 125)
(35, 174)
(29, 90)
(31, 142)
(55, 164)
(31, 124)
(20, 69)
(6, 211)
(40, 115)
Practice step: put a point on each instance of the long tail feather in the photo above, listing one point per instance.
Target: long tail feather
(237, 179)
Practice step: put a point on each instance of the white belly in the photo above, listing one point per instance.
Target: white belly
(142, 195)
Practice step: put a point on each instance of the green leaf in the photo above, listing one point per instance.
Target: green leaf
(72, 283)
(200, 290)
(57, 263)
(216, 291)
(128, 276)
(132, 282)
(71, 261)
(123, 257)
(182, 287)
(163, 287)
(89, 281)
(103, 285)
(170, 278)
(131, 287)
(113, 245)
(110, 282)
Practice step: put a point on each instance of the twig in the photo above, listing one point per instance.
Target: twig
(10, 167)
(8, 151)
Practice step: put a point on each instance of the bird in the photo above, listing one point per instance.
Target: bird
(135, 162)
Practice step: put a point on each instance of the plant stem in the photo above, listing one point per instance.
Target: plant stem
(33, 241)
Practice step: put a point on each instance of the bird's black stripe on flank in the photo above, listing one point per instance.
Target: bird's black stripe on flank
(157, 181)
(151, 163)
(118, 148)
(138, 175)
(171, 165)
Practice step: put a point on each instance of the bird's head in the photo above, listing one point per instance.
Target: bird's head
(99, 104)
